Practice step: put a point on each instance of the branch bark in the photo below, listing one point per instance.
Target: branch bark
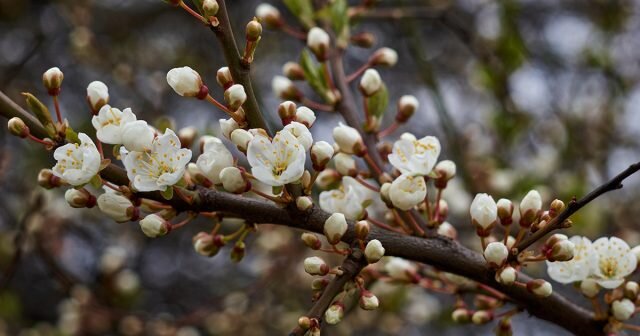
(351, 267)
(240, 70)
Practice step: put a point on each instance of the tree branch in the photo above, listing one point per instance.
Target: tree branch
(351, 267)
(573, 206)
(240, 70)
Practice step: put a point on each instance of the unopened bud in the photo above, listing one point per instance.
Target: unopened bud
(117, 207)
(304, 203)
(505, 211)
(496, 254)
(334, 227)
(319, 284)
(368, 301)
(241, 138)
(349, 140)
(561, 251)
(311, 240)
(253, 31)
(589, 287)
(539, 287)
(507, 276)
(370, 82)
(269, 15)
(504, 327)
(318, 42)
(362, 229)
(287, 112)
(315, 266)
(321, 153)
(407, 106)
(363, 40)
(327, 178)
(238, 251)
(481, 317)
(447, 230)
(187, 136)
(204, 244)
(446, 170)
(461, 315)
(293, 71)
(530, 208)
(284, 89)
(557, 206)
(631, 289)
(79, 198)
(18, 128)
(374, 251)
(210, 8)
(345, 164)
(304, 322)
(335, 313)
(305, 116)
(48, 180)
(154, 226)
(622, 310)
(384, 56)
(227, 126)
(52, 80)
(234, 181)
(235, 96)
(224, 78)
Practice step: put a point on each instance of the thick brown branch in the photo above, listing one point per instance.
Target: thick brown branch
(573, 206)
(240, 70)
(351, 267)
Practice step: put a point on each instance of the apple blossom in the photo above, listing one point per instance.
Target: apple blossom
(215, 157)
(77, 163)
(579, 267)
(407, 191)
(350, 199)
(415, 157)
(137, 136)
(161, 166)
(110, 123)
(301, 132)
(276, 162)
(614, 262)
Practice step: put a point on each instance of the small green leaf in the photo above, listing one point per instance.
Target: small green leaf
(314, 75)
(378, 102)
(41, 112)
(303, 10)
(96, 182)
(71, 135)
(167, 193)
(340, 22)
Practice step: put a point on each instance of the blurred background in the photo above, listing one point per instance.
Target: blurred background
(523, 94)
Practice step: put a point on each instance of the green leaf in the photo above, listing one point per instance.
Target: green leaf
(378, 102)
(314, 75)
(340, 21)
(303, 10)
(167, 193)
(71, 135)
(96, 182)
(41, 112)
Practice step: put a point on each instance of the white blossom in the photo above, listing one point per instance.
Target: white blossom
(227, 126)
(215, 157)
(318, 41)
(233, 180)
(407, 191)
(110, 122)
(614, 262)
(161, 166)
(52, 80)
(399, 269)
(137, 136)
(184, 81)
(321, 153)
(315, 266)
(301, 132)
(77, 163)
(235, 96)
(276, 162)
(415, 157)
(496, 254)
(576, 269)
(350, 199)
